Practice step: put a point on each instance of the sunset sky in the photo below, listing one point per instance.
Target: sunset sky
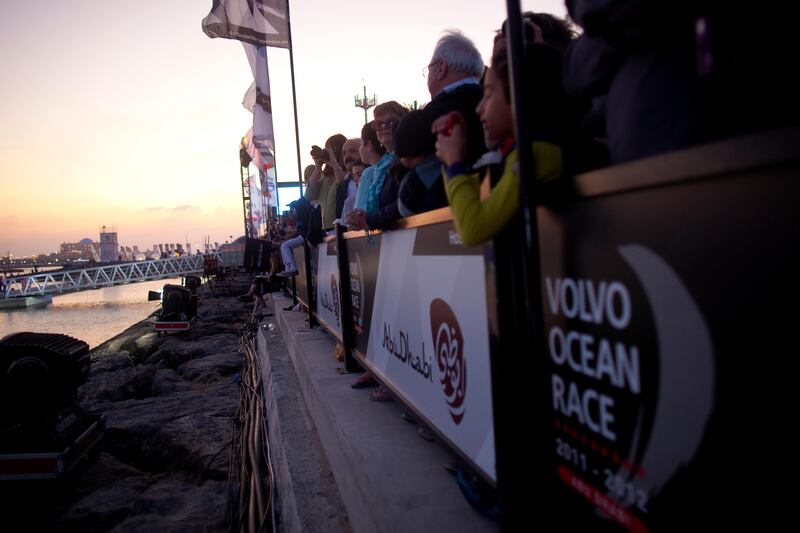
(126, 114)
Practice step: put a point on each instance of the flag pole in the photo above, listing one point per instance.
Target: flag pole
(294, 99)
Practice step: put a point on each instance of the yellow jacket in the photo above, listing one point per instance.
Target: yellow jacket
(478, 217)
(325, 192)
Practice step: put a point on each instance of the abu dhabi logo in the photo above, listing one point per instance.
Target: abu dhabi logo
(335, 297)
(448, 343)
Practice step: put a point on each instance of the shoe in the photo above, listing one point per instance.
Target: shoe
(425, 434)
(408, 417)
(287, 273)
(380, 394)
(364, 381)
(338, 352)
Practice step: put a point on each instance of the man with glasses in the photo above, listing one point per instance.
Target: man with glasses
(348, 186)
(453, 75)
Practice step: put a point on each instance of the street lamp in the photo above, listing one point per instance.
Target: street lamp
(365, 103)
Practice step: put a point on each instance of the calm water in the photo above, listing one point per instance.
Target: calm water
(92, 316)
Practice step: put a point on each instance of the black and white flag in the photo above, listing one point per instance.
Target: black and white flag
(257, 22)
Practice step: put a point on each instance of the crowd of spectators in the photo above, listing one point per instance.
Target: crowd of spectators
(632, 83)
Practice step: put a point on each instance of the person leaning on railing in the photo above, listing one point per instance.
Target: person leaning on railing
(381, 196)
(550, 120)
(422, 188)
(371, 151)
(301, 209)
(347, 187)
(357, 171)
(325, 178)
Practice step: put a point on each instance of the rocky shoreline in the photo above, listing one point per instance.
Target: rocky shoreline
(169, 403)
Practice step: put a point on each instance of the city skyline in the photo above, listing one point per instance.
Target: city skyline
(130, 115)
(135, 248)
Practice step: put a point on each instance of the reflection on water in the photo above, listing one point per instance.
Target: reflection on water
(93, 316)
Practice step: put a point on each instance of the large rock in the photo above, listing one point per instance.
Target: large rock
(145, 345)
(125, 383)
(174, 351)
(176, 432)
(175, 506)
(104, 508)
(211, 367)
(126, 339)
(167, 381)
(109, 362)
(169, 403)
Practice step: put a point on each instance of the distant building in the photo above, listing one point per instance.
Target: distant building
(109, 246)
(84, 249)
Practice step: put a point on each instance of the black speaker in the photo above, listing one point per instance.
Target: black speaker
(39, 373)
(177, 304)
(256, 255)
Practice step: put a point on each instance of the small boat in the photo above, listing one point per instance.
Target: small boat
(25, 302)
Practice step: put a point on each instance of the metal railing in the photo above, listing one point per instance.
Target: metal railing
(60, 282)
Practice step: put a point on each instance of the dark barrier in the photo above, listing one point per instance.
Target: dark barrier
(657, 285)
(348, 329)
(257, 255)
(663, 394)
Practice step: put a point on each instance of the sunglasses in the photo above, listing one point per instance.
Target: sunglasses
(378, 124)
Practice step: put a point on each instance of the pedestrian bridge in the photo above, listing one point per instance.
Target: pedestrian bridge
(61, 282)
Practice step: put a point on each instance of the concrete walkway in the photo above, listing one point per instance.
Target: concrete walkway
(388, 478)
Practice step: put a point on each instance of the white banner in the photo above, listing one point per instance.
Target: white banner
(259, 101)
(328, 298)
(429, 337)
(257, 219)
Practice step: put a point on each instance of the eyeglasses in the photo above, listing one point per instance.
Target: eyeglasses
(378, 124)
(427, 70)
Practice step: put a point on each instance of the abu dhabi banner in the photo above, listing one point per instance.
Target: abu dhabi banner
(327, 288)
(257, 22)
(421, 324)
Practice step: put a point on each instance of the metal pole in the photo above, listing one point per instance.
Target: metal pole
(345, 300)
(520, 323)
(277, 197)
(312, 301)
(365, 108)
(294, 101)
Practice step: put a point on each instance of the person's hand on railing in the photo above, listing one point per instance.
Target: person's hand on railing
(451, 137)
(357, 220)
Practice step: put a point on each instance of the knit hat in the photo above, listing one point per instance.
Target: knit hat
(413, 136)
